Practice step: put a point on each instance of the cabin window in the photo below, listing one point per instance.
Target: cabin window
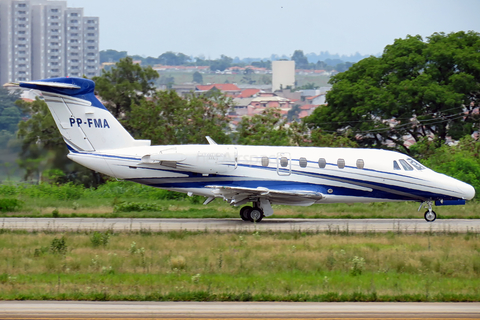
(395, 165)
(322, 163)
(405, 165)
(341, 163)
(417, 165)
(303, 162)
(284, 161)
(360, 164)
(265, 161)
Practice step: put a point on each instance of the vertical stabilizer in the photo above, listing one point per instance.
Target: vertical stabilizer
(85, 124)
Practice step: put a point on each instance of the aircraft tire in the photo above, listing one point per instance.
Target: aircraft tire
(256, 214)
(245, 213)
(430, 216)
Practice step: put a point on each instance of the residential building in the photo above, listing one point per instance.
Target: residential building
(230, 89)
(45, 39)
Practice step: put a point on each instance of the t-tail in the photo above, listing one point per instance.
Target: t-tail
(84, 122)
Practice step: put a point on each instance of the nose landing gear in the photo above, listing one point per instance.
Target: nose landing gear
(429, 215)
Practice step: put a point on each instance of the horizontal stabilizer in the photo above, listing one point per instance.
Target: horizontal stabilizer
(49, 84)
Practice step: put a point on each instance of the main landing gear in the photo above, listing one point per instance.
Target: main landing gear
(429, 215)
(252, 214)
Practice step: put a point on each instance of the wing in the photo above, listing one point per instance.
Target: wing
(241, 195)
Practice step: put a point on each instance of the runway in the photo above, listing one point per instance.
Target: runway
(235, 310)
(225, 225)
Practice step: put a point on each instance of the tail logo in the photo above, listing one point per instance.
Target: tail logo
(95, 123)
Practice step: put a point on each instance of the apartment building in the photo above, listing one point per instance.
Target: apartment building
(46, 39)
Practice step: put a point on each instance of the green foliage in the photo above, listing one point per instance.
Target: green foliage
(100, 238)
(68, 191)
(430, 82)
(10, 205)
(169, 119)
(125, 84)
(43, 149)
(58, 246)
(461, 161)
(8, 190)
(197, 77)
(319, 138)
(268, 128)
(221, 64)
(10, 114)
(136, 207)
(125, 189)
(301, 62)
(358, 265)
(112, 55)
(170, 58)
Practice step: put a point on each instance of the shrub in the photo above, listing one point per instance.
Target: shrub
(8, 190)
(136, 206)
(10, 205)
(358, 264)
(178, 262)
(58, 246)
(99, 238)
(55, 213)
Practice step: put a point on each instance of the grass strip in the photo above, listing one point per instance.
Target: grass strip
(239, 266)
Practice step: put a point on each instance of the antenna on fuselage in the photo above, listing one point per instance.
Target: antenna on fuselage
(211, 141)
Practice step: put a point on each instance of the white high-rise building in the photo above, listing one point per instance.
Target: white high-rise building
(45, 39)
(283, 75)
(91, 54)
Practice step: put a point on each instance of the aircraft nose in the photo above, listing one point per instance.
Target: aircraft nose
(468, 191)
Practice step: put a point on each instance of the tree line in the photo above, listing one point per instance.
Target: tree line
(427, 91)
(224, 62)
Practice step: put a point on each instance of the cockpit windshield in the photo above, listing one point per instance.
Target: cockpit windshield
(417, 165)
(407, 164)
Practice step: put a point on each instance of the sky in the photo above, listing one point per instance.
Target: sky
(260, 28)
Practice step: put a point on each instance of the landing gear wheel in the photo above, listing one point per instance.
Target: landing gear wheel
(430, 215)
(256, 214)
(244, 213)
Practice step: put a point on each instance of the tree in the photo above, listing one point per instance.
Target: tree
(221, 64)
(301, 62)
(197, 77)
(43, 148)
(170, 58)
(125, 84)
(10, 114)
(112, 55)
(262, 64)
(266, 129)
(167, 81)
(167, 118)
(415, 89)
(461, 161)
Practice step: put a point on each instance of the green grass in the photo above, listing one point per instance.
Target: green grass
(126, 199)
(239, 266)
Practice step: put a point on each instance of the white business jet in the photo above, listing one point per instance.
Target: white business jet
(261, 175)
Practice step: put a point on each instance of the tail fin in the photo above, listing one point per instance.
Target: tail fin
(83, 121)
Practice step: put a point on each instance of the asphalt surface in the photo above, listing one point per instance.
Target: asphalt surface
(320, 225)
(236, 310)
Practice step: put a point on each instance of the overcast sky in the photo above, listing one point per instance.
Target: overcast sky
(259, 28)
